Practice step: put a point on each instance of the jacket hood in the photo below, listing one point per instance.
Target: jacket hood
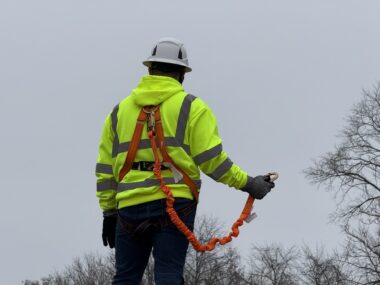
(153, 90)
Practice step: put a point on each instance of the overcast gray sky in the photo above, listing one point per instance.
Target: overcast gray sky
(279, 75)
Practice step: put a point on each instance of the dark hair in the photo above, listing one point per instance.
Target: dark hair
(167, 67)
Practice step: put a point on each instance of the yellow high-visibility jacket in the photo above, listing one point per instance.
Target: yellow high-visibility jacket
(191, 138)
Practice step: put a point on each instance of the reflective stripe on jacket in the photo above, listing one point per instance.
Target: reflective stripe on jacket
(191, 138)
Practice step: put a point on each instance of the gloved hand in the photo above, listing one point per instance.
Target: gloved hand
(258, 186)
(109, 230)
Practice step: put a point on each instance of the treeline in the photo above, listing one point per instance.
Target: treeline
(270, 264)
(351, 171)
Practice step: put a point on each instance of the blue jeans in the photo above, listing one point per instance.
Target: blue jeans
(169, 245)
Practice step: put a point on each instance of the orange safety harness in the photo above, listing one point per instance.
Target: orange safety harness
(151, 115)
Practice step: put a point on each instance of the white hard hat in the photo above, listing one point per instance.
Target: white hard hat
(169, 50)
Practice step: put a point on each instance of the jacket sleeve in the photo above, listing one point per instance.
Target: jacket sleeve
(106, 183)
(207, 151)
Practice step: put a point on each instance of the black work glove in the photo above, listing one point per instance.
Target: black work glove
(258, 186)
(109, 230)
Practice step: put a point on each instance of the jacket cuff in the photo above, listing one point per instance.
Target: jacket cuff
(249, 185)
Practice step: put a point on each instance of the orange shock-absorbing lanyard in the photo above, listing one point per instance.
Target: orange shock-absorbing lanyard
(152, 116)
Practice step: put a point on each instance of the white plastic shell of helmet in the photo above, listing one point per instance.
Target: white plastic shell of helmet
(169, 50)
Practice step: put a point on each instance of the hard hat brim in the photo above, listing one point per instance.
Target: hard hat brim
(148, 63)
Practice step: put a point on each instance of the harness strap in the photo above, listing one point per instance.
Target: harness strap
(165, 155)
(134, 145)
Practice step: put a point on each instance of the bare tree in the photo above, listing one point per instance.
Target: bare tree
(148, 278)
(90, 270)
(318, 268)
(273, 265)
(351, 171)
(362, 254)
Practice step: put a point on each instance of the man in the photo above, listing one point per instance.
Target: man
(134, 205)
